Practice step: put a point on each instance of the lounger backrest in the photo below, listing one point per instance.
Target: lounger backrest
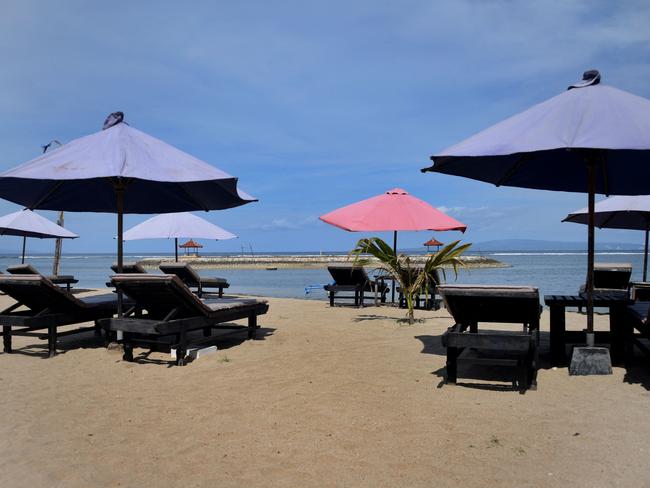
(184, 271)
(484, 303)
(38, 293)
(612, 275)
(128, 268)
(348, 274)
(160, 294)
(22, 269)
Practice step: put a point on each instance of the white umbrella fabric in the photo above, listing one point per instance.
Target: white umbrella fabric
(177, 226)
(26, 223)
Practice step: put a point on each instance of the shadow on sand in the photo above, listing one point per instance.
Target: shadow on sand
(88, 340)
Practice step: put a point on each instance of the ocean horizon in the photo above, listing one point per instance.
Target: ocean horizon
(553, 272)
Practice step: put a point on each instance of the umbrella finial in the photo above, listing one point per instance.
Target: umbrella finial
(589, 78)
(113, 119)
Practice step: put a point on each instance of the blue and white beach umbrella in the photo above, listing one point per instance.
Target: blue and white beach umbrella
(591, 138)
(120, 170)
(620, 212)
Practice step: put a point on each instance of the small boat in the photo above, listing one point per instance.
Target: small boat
(271, 268)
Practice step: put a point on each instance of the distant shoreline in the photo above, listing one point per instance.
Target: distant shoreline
(315, 261)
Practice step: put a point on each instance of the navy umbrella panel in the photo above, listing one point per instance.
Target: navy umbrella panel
(620, 212)
(591, 138)
(120, 170)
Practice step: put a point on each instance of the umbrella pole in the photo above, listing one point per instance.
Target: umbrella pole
(119, 195)
(392, 294)
(176, 248)
(24, 243)
(590, 254)
(645, 257)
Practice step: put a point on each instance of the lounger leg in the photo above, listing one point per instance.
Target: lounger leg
(331, 298)
(361, 297)
(109, 337)
(182, 348)
(523, 375)
(51, 341)
(128, 347)
(252, 326)
(221, 292)
(98, 329)
(452, 367)
(6, 338)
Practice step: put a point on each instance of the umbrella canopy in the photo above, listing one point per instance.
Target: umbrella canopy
(394, 210)
(175, 226)
(590, 138)
(26, 223)
(120, 170)
(547, 146)
(83, 175)
(620, 212)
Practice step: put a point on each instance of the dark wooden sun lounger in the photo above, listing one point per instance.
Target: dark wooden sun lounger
(192, 279)
(611, 279)
(637, 330)
(471, 305)
(21, 269)
(172, 311)
(351, 283)
(129, 268)
(424, 299)
(48, 307)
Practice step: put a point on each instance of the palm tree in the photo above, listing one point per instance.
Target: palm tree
(410, 278)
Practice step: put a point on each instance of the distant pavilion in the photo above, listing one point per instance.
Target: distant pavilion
(191, 247)
(433, 242)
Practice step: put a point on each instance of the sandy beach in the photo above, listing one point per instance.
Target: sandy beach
(325, 397)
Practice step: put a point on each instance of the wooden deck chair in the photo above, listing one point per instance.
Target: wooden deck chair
(47, 306)
(611, 278)
(66, 280)
(191, 278)
(471, 305)
(350, 283)
(165, 308)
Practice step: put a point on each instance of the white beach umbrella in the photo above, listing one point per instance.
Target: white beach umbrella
(176, 226)
(26, 223)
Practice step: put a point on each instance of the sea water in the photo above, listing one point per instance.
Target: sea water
(552, 272)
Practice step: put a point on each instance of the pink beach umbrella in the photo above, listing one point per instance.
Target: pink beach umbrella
(394, 211)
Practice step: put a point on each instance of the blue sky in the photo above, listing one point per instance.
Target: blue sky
(313, 105)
